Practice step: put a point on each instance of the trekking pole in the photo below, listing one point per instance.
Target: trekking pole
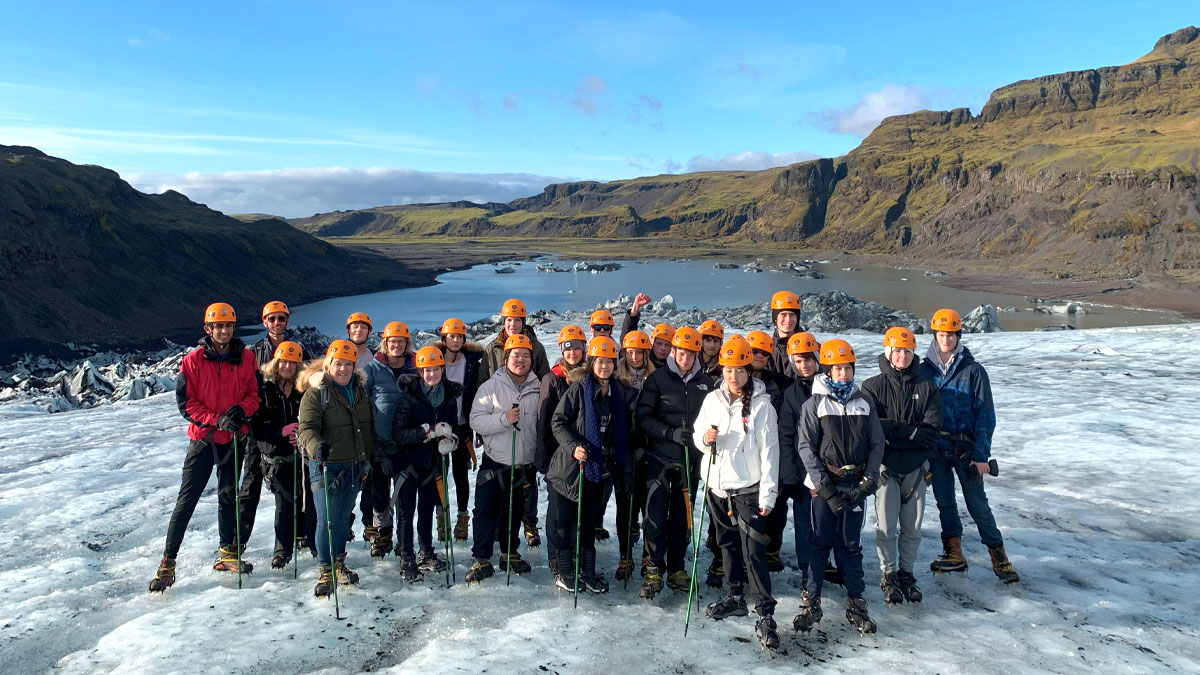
(696, 543)
(295, 511)
(512, 479)
(337, 611)
(578, 527)
(446, 523)
(629, 538)
(237, 506)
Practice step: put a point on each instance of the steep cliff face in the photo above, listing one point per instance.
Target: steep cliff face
(84, 257)
(1096, 167)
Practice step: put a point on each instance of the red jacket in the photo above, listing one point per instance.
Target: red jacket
(208, 386)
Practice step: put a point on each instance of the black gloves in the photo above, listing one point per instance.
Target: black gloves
(866, 488)
(924, 436)
(833, 498)
(232, 420)
(321, 453)
(682, 436)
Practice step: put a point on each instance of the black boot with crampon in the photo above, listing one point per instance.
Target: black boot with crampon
(324, 581)
(381, 543)
(164, 577)
(768, 633)
(856, 614)
(809, 616)
(889, 583)
(227, 561)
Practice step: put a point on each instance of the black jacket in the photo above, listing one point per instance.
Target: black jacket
(474, 355)
(493, 356)
(905, 401)
(264, 352)
(553, 386)
(668, 403)
(413, 410)
(791, 471)
(570, 429)
(774, 388)
(275, 411)
(781, 364)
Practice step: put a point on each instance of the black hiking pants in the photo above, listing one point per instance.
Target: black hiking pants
(198, 464)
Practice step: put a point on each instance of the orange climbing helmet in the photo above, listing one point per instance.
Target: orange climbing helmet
(836, 352)
(602, 347)
(428, 357)
(687, 338)
(785, 300)
(760, 340)
(662, 331)
(803, 343)
(514, 308)
(711, 328)
(395, 329)
(219, 312)
(518, 341)
(571, 332)
(635, 339)
(342, 349)
(899, 337)
(946, 320)
(735, 353)
(601, 317)
(359, 317)
(289, 351)
(454, 327)
(274, 307)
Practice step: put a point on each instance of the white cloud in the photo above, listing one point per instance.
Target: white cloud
(862, 117)
(295, 193)
(752, 160)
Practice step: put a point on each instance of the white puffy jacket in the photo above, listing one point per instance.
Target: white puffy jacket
(746, 454)
(493, 400)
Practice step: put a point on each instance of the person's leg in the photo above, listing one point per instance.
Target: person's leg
(728, 541)
(406, 506)
(280, 480)
(344, 492)
(753, 541)
(529, 503)
(802, 528)
(322, 520)
(197, 467)
(227, 488)
(460, 464)
(850, 539)
(912, 513)
(887, 521)
(825, 530)
(942, 482)
(624, 524)
(977, 505)
(427, 499)
(379, 484)
(250, 491)
(489, 502)
(657, 521)
(777, 520)
(516, 496)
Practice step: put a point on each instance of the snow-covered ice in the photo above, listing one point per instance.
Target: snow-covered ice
(1097, 446)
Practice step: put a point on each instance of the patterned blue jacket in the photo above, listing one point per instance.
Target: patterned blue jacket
(966, 401)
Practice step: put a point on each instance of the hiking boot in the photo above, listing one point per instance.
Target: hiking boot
(564, 572)
(951, 559)
(345, 575)
(164, 577)
(441, 525)
(833, 575)
(587, 571)
(653, 582)
(602, 534)
(461, 527)
(774, 562)
(481, 569)
(369, 533)
(624, 569)
(730, 605)
(514, 561)
(716, 573)
(227, 561)
(645, 564)
(908, 586)
(381, 543)
(409, 570)
(679, 581)
(809, 616)
(1001, 566)
(324, 582)
(856, 614)
(429, 561)
(767, 631)
(280, 560)
(892, 594)
(532, 538)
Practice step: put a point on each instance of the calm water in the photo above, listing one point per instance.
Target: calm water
(478, 292)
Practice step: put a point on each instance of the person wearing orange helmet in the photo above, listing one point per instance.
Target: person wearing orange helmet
(910, 411)
(632, 370)
(660, 344)
(274, 427)
(736, 433)
(841, 444)
(573, 343)
(504, 416)
(666, 409)
(275, 317)
(785, 321)
(712, 334)
(512, 322)
(358, 331)
(393, 360)
(337, 434)
(591, 428)
(463, 360)
(423, 429)
(217, 392)
(633, 316)
(761, 348)
(964, 446)
(802, 351)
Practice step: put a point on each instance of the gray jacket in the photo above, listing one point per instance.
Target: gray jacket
(494, 398)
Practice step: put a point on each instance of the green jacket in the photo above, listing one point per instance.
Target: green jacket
(326, 417)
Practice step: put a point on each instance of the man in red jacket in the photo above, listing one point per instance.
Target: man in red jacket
(217, 393)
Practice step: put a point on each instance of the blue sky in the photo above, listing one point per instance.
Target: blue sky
(293, 108)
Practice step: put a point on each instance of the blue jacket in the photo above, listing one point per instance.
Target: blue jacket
(384, 392)
(966, 402)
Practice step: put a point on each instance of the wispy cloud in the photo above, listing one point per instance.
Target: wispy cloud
(294, 193)
(866, 114)
(150, 37)
(587, 93)
(752, 160)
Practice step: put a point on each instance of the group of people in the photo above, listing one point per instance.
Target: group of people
(759, 419)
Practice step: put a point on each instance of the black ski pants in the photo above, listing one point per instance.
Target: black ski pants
(741, 534)
(567, 511)
(669, 501)
(630, 503)
(250, 491)
(493, 497)
(410, 484)
(198, 464)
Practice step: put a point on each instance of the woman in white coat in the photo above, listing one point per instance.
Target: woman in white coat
(736, 430)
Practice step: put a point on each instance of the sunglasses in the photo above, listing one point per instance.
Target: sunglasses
(277, 318)
(597, 329)
(760, 352)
